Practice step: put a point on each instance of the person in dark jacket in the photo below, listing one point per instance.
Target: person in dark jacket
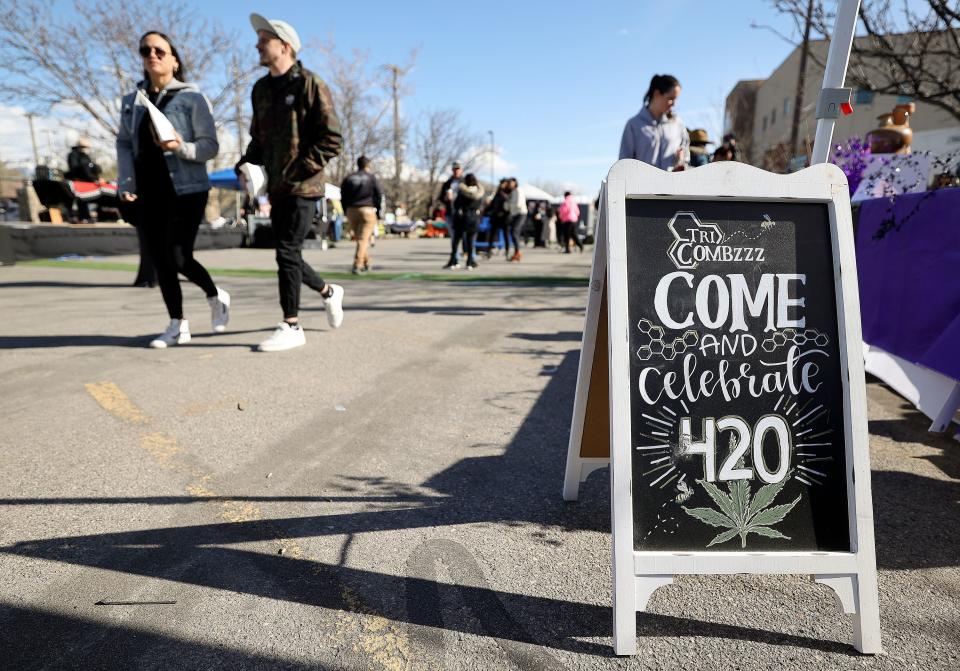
(361, 196)
(466, 219)
(294, 134)
(448, 194)
(80, 167)
(79, 164)
(497, 213)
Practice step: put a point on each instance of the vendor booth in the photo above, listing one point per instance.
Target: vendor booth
(908, 252)
(256, 229)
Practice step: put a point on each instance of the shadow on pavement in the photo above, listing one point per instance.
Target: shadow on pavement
(36, 639)
(914, 518)
(46, 341)
(49, 284)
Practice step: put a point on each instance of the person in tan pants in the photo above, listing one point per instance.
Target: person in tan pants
(361, 196)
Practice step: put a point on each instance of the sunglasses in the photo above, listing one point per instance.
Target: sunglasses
(145, 52)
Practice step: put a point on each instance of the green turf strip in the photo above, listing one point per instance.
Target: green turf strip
(460, 276)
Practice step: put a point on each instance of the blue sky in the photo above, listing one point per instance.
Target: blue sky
(555, 80)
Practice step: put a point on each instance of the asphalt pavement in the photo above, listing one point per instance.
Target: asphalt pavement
(386, 497)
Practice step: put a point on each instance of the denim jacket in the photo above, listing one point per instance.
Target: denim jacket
(190, 113)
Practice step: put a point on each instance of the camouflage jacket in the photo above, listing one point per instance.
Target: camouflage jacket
(294, 133)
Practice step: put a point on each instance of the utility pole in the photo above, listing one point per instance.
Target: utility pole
(396, 71)
(33, 139)
(238, 104)
(801, 81)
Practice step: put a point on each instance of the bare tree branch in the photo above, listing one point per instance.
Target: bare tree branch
(82, 62)
(904, 51)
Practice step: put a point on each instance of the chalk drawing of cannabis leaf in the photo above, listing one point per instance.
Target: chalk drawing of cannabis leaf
(739, 514)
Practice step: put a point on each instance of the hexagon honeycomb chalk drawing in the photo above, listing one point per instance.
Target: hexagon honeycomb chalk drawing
(794, 337)
(658, 343)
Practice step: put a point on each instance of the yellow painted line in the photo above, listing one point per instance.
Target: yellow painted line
(372, 633)
(160, 446)
(112, 399)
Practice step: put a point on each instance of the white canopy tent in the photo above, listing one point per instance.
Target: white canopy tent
(536, 193)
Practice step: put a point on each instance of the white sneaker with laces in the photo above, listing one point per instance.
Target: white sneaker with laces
(219, 310)
(284, 338)
(177, 333)
(334, 306)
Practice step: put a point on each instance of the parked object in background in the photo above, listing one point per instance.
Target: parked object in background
(946, 180)
(894, 134)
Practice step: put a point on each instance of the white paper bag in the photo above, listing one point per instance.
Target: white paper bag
(161, 124)
(256, 179)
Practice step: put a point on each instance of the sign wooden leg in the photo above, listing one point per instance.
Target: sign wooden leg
(573, 476)
(947, 411)
(624, 613)
(857, 596)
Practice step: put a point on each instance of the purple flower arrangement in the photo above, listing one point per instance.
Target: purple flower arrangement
(852, 159)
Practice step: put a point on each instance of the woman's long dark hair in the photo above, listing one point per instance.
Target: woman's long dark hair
(178, 74)
(662, 83)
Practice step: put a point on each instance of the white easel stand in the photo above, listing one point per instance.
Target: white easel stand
(579, 468)
(636, 575)
(937, 396)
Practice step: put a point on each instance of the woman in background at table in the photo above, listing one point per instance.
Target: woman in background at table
(168, 180)
(656, 135)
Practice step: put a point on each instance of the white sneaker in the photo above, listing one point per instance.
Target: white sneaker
(219, 310)
(178, 333)
(284, 338)
(334, 306)
(324, 245)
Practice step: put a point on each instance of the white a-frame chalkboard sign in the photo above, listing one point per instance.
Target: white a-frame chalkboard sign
(721, 375)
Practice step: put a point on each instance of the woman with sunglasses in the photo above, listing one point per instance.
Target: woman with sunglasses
(168, 180)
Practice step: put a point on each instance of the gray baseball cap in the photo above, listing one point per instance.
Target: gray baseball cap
(283, 30)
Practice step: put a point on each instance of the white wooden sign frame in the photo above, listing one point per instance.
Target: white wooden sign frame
(636, 575)
(578, 467)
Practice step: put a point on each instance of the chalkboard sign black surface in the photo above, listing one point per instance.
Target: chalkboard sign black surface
(736, 397)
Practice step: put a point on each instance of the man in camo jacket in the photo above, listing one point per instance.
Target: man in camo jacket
(294, 133)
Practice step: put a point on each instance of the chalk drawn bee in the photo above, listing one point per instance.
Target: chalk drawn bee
(685, 492)
(768, 222)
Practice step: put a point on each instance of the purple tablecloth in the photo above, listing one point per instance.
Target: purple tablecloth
(908, 258)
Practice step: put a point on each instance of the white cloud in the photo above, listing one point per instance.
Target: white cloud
(54, 134)
(480, 163)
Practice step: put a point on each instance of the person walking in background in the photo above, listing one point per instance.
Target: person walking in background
(81, 167)
(448, 194)
(497, 213)
(294, 133)
(656, 135)
(466, 219)
(361, 195)
(517, 211)
(723, 153)
(730, 142)
(168, 180)
(568, 217)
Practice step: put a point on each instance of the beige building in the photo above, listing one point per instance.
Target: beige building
(772, 114)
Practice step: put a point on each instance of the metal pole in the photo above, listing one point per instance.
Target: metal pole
(492, 160)
(835, 72)
(801, 82)
(395, 70)
(33, 139)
